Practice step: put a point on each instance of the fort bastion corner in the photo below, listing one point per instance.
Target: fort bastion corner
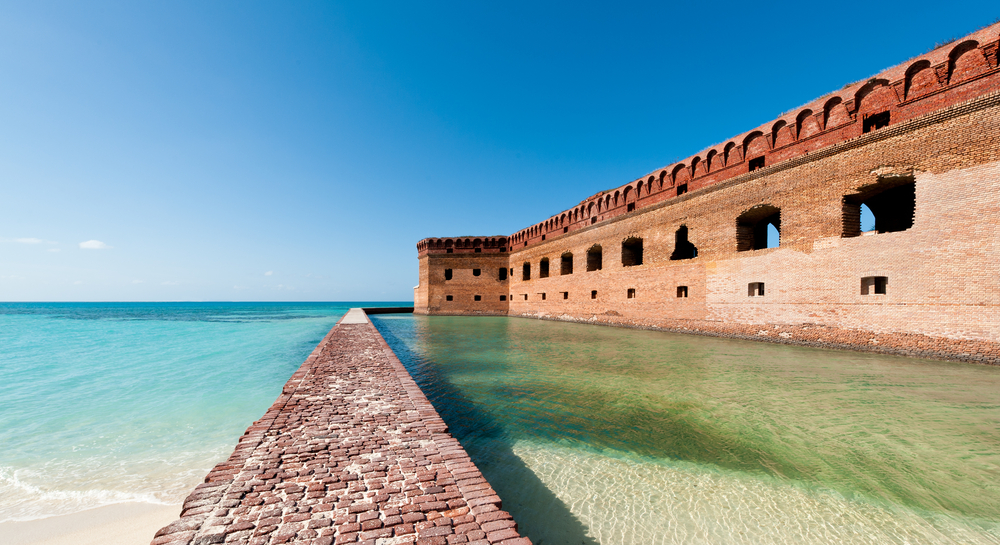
(686, 247)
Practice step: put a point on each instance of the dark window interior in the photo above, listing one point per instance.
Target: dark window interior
(595, 258)
(875, 121)
(755, 289)
(447, 274)
(632, 252)
(543, 268)
(526, 271)
(630, 207)
(874, 285)
(756, 163)
(503, 297)
(751, 227)
(682, 291)
(682, 189)
(476, 272)
(566, 264)
(449, 298)
(892, 202)
(593, 294)
(477, 297)
(683, 249)
(502, 273)
(631, 293)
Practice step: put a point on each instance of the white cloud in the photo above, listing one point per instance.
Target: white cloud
(54, 250)
(170, 283)
(94, 245)
(138, 281)
(268, 273)
(78, 282)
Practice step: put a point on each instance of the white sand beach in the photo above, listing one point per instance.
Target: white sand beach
(119, 524)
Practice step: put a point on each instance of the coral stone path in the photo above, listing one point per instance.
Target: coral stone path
(351, 451)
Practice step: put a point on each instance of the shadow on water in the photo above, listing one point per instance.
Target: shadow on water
(489, 444)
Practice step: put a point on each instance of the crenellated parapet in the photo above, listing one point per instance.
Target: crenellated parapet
(948, 75)
(462, 245)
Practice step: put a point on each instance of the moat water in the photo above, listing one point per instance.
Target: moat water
(593, 434)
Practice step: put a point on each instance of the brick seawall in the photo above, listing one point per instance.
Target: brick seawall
(351, 451)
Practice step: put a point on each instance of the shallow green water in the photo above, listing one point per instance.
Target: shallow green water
(596, 434)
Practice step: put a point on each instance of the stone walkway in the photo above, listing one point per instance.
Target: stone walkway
(350, 452)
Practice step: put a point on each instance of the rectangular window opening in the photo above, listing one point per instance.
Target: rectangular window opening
(503, 297)
(565, 229)
(565, 295)
(476, 272)
(502, 273)
(543, 237)
(450, 250)
(631, 293)
(449, 298)
(543, 296)
(593, 294)
(477, 297)
(874, 122)
(755, 289)
(447, 274)
(479, 250)
(682, 189)
(756, 163)
(525, 296)
(630, 207)
(874, 285)
(593, 220)
(682, 291)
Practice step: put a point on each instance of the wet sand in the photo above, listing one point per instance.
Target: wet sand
(120, 524)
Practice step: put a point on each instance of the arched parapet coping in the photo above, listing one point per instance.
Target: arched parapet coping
(876, 94)
(834, 112)
(711, 159)
(965, 61)
(781, 134)
(731, 154)
(696, 165)
(805, 124)
(677, 174)
(754, 144)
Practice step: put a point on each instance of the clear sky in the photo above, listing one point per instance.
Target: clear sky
(164, 151)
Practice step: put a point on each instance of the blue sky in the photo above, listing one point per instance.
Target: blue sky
(297, 150)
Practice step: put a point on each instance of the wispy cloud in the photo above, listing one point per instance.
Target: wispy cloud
(94, 245)
(78, 282)
(268, 273)
(54, 250)
(170, 283)
(138, 281)
(27, 240)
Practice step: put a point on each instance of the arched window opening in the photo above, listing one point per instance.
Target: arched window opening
(753, 226)
(632, 252)
(566, 263)
(683, 249)
(543, 268)
(526, 271)
(595, 258)
(887, 206)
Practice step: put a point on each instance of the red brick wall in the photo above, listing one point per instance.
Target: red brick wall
(943, 272)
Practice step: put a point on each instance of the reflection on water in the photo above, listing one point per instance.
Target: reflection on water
(597, 434)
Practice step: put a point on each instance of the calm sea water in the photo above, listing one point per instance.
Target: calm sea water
(104, 403)
(601, 435)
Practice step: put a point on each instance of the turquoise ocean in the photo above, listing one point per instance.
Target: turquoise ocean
(105, 403)
(589, 434)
